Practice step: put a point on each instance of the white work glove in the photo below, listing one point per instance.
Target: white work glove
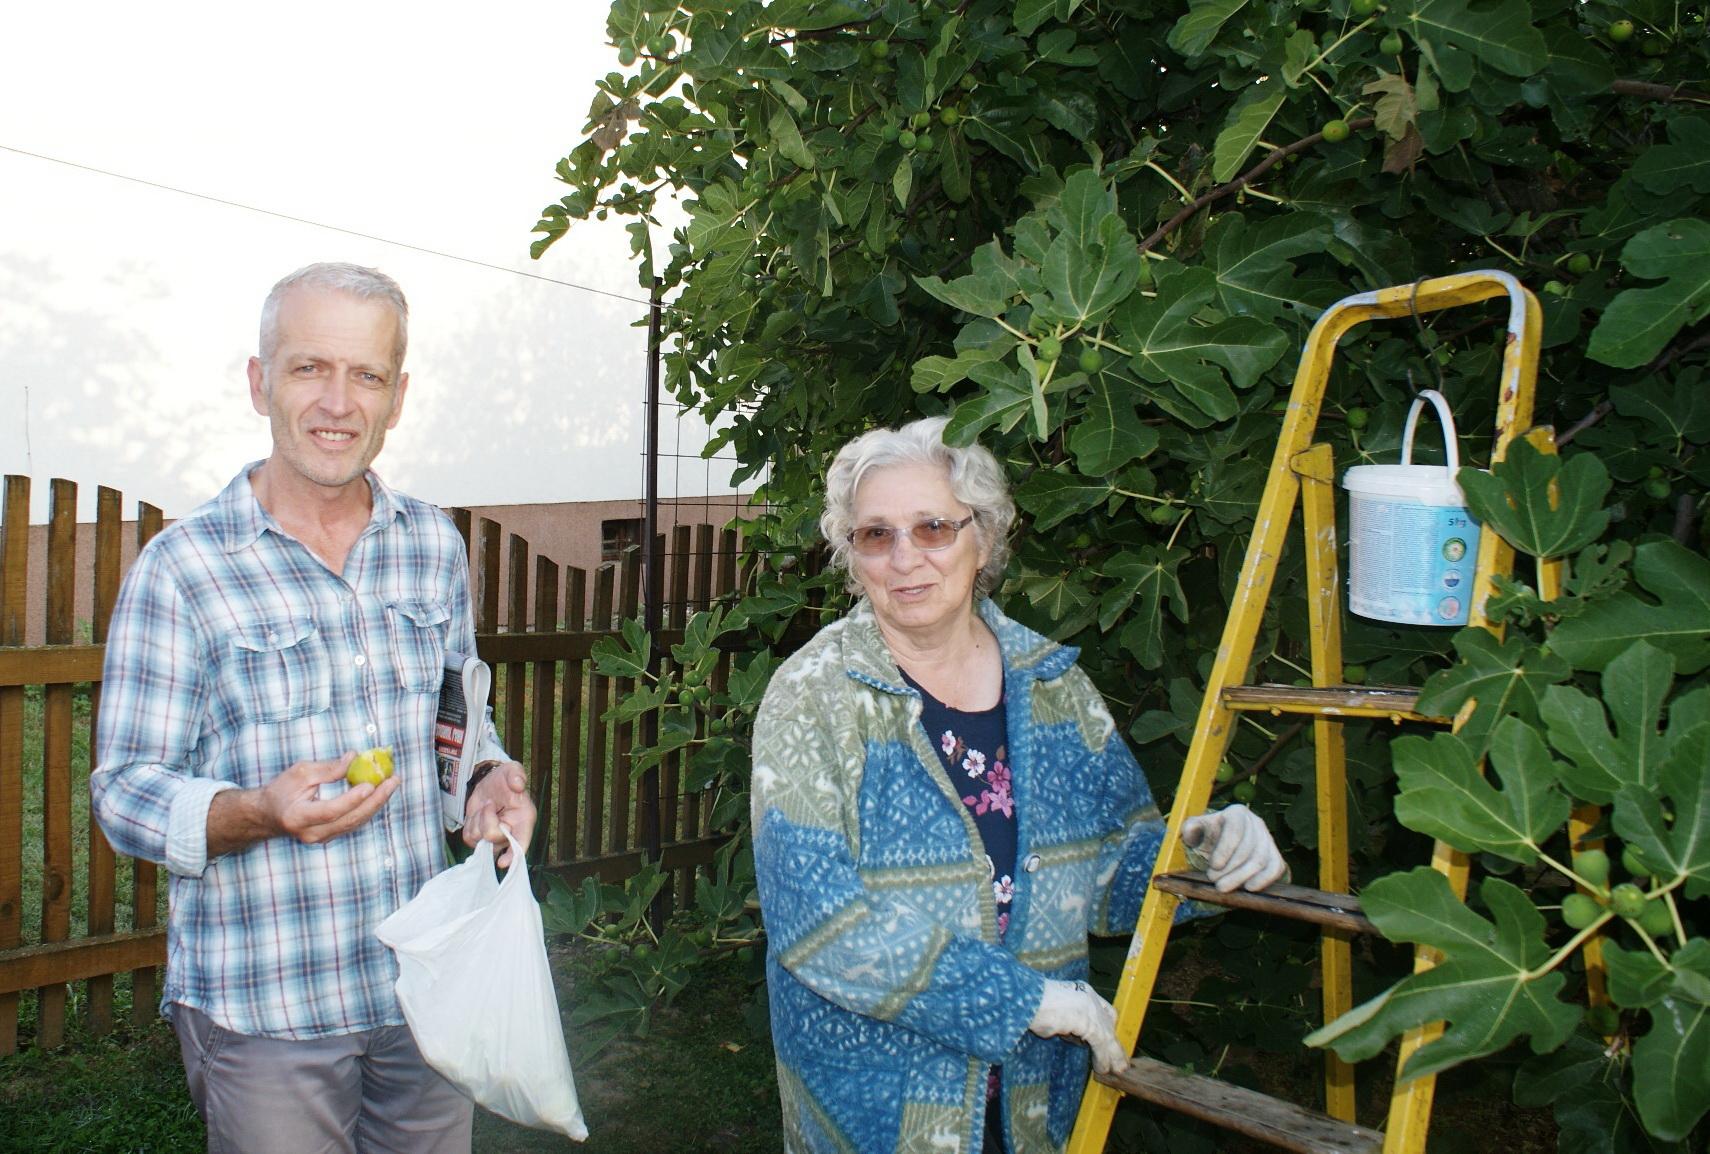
(1075, 1009)
(1234, 849)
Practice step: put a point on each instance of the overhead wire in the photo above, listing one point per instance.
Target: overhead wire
(319, 224)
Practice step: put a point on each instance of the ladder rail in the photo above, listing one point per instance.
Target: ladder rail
(1317, 469)
(1215, 720)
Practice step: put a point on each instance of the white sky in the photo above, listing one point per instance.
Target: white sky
(127, 311)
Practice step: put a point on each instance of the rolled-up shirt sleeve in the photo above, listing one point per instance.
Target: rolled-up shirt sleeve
(153, 693)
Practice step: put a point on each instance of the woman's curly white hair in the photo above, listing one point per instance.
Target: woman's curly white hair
(975, 477)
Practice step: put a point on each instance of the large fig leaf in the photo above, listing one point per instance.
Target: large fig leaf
(1483, 988)
(1093, 263)
(1542, 504)
(1007, 399)
(1671, 1064)
(1198, 26)
(1052, 497)
(1247, 123)
(1684, 162)
(1503, 677)
(1453, 34)
(1255, 273)
(1680, 848)
(1677, 621)
(1110, 433)
(1640, 321)
(1167, 346)
(1146, 580)
(1444, 795)
(1635, 685)
(992, 279)
(1683, 409)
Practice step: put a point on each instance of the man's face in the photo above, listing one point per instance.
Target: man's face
(331, 389)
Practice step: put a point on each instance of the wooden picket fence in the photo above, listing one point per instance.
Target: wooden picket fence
(596, 818)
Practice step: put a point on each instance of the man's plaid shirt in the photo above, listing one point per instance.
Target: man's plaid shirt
(234, 652)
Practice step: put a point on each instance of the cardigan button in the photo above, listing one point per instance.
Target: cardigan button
(1031, 865)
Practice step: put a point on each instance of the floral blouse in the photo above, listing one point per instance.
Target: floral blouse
(973, 749)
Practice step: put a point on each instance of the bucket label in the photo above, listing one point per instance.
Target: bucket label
(1410, 563)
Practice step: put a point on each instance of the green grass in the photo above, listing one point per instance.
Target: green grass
(124, 1092)
(701, 1081)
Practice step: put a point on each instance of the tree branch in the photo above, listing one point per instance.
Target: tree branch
(1648, 91)
(1661, 361)
(1598, 412)
(1683, 510)
(1271, 160)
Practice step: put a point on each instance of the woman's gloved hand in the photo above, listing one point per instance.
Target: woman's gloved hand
(1234, 849)
(1075, 1009)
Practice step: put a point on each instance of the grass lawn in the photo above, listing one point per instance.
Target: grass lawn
(701, 1081)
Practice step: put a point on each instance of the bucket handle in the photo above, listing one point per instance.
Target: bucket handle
(1451, 451)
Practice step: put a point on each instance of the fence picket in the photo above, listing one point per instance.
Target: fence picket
(541, 706)
(109, 516)
(621, 797)
(671, 782)
(516, 672)
(57, 725)
(687, 803)
(14, 576)
(570, 719)
(599, 696)
(487, 584)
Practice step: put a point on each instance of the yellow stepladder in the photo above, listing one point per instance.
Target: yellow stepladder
(1304, 471)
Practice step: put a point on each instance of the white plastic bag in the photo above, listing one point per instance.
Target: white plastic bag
(477, 992)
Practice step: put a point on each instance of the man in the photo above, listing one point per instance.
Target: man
(298, 617)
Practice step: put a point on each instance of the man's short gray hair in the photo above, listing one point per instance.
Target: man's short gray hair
(975, 477)
(367, 284)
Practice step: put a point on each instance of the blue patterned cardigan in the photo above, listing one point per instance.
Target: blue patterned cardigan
(890, 996)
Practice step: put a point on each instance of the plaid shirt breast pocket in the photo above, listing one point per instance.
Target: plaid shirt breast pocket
(417, 631)
(282, 669)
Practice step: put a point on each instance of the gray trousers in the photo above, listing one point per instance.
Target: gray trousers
(364, 1093)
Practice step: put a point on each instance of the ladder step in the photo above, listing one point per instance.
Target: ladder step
(1282, 1124)
(1340, 911)
(1396, 704)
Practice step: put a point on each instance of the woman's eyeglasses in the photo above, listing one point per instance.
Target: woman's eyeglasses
(928, 536)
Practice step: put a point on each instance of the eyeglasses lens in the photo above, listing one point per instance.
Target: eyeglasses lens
(928, 536)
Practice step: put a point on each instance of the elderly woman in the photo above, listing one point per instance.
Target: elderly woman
(942, 812)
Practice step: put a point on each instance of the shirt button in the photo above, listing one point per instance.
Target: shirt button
(372, 728)
(361, 659)
(1031, 865)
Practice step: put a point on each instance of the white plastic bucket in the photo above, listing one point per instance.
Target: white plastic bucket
(1412, 546)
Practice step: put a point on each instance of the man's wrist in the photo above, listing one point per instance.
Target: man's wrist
(477, 776)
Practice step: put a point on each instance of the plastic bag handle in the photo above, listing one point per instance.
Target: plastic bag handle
(1445, 417)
